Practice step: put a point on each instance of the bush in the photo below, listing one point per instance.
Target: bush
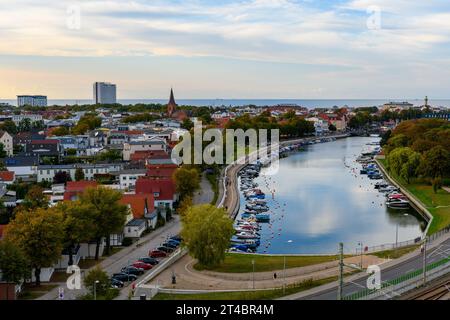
(126, 242)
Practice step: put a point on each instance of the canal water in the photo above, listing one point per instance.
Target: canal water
(320, 199)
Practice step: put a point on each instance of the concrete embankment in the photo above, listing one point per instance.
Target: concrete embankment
(416, 203)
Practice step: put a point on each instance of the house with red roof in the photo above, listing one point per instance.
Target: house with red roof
(163, 190)
(74, 188)
(158, 169)
(142, 214)
(7, 177)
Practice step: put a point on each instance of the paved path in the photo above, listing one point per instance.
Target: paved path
(190, 279)
(436, 251)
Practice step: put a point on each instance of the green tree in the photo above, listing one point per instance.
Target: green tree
(98, 278)
(410, 167)
(109, 215)
(39, 234)
(61, 177)
(9, 126)
(186, 181)
(60, 131)
(24, 125)
(79, 224)
(187, 124)
(435, 164)
(3, 153)
(206, 231)
(79, 174)
(397, 158)
(35, 198)
(13, 264)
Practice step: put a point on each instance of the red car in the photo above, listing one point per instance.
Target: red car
(140, 264)
(157, 254)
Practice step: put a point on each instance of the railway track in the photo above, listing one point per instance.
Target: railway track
(438, 292)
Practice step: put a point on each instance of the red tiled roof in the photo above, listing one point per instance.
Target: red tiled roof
(73, 188)
(138, 202)
(142, 155)
(6, 175)
(47, 141)
(161, 170)
(165, 187)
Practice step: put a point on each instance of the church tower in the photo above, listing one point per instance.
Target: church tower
(172, 105)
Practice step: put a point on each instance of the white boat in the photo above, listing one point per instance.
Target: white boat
(246, 235)
(398, 203)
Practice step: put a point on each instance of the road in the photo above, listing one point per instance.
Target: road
(436, 252)
(114, 263)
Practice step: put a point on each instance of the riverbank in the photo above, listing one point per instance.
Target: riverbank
(434, 206)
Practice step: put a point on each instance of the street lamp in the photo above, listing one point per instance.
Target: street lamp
(361, 263)
(284, 270)
(253, 265)
(95, 289)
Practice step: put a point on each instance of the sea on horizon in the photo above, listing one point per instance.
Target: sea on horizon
(308, 103)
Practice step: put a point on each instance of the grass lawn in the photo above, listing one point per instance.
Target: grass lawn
(394, 254)
(247, 295)
(241, 263)
(437, 203)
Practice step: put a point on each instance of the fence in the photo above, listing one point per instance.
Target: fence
(389, 246)
(403, 283)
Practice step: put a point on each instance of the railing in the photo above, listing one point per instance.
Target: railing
(403, 283)
(389, 246)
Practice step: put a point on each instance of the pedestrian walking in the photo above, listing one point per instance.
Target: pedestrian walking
(275, 276)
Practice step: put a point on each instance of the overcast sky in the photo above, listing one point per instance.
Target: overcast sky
(226, 49)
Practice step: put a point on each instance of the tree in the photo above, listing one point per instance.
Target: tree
(410, 167)
(110, 155)
(61, 177)
(206, 232)
(332, 127)
(184, 206)
(39, 234)
(60, 131)
(3, 153)
(79, 174)
(9, 126)
(186, 181)
(13, 264)
(35, 198)
(24, 125)
(79, 224)
(435, 164)
(397, 158)
(98, 278)
(187, 124)
(109, 215)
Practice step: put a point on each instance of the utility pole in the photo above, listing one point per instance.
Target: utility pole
(425, 260)
(253, 265)
(341, 270)
(284, 274)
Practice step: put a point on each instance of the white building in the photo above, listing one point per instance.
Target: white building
(47, 172)
(321, 126)
(128, 178)
(33, 101)
(32, 117)
(104, 93)
(148, 145)
(7, 140)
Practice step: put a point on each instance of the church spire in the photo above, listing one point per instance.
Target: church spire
(171, 106)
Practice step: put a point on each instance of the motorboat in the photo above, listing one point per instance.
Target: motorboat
(375, 176)
(247, 235)
(398, 203)
(257, 201)
(388, 189)
(381, 184)
(261, 217)
(257, 207)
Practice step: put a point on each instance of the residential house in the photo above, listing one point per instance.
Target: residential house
(7, 177)
(148, 145)
(24, 167)
(163, 190)
(7, 140)
(43, 148)
(75, 188)
(47, 172)
(128, 178)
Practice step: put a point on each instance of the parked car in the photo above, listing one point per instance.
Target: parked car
(116, 283)
(175, 242)
(124, 277)
(169, 245)
(151, 261)
(142, 265)
(177, 238)
(165, 249)
(133, 270)
(157, 254)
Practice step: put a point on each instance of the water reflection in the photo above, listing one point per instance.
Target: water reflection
(321, 200)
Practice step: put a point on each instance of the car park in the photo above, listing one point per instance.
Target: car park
(124, 277)
(157, 254)
(149, 260)
(142, 265)
(165, 249)
(133, 270)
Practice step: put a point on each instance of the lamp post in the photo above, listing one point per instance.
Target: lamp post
(361, 263)
(284, 270)
(253, 265)
(95, 289)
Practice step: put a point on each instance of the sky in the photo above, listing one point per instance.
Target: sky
(241, 49)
